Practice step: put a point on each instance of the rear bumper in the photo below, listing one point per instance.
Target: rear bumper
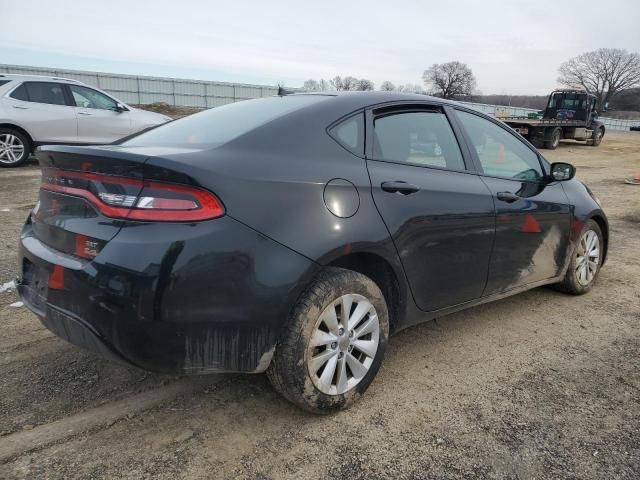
(185, 298)
(66, 326)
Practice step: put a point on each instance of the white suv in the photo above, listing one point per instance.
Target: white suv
(45, 110)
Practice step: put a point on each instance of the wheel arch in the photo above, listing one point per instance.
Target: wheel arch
(604, 228)
(13, 126)
(378, 269)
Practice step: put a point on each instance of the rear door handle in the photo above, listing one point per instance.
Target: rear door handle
(21, 107)
(508, 197)
(403, 188)
(84, 113)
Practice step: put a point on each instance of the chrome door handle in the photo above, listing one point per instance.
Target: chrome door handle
(21, 107)
(84, 113)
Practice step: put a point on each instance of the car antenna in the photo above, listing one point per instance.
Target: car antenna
(282, 91)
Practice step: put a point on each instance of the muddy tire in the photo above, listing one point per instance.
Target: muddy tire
(326, 360)
(554, 139)
(585, 262)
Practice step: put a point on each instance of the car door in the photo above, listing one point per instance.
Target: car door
(99, 120)
(439, 214)
(532, 215)
(44, 111)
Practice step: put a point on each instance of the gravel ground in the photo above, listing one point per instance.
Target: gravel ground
(540, 385)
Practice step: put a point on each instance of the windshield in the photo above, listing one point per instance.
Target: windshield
(216, 126)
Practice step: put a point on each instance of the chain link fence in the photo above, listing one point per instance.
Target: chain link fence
(140, 90)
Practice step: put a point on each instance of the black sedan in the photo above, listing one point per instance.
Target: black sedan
(291, 235)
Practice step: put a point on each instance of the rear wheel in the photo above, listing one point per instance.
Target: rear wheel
(554, 139)
(14, 148)
(585, 261)
(334, 344)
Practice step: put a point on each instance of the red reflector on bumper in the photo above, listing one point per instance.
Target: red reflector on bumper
(56, 278)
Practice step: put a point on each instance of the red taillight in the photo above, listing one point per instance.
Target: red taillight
(133, 199)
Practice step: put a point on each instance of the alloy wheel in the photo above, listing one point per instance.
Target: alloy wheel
(343, 344)
(588, 257)
(11, 149)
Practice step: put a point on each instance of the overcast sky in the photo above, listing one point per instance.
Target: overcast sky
(512, 46)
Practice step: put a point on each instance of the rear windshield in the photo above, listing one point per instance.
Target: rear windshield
(220, 125)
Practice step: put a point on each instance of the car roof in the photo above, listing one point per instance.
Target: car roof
(36, 78)
(370, 98)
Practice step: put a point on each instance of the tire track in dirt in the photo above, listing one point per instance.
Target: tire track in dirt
(61, 430)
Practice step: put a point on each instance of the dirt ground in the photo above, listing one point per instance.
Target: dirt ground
(540, 385)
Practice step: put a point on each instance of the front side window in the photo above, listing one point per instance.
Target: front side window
(40, 92)
(421, 138)
(89, 98)
(500, 153)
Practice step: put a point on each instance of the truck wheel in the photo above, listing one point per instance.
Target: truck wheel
(596, 137)
(14, 148)
(334, 343)
(536, 141)
(554, 139)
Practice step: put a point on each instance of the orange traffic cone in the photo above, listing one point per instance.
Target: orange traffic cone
(530, 224)
(500, 157)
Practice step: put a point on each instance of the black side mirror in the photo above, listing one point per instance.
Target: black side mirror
(120, 108)
(561, 171)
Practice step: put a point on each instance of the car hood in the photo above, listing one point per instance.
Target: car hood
(148, 118)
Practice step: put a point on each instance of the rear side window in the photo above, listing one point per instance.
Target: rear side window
(219, 125)
(40, 92)
(4, 82)
(20, 93)
(419, 138)
(350, 134)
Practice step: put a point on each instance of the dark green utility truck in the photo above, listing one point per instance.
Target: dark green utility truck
(569, 114)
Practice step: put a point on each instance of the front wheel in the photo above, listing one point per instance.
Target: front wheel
(334, 344)
(596, 137)
(585, 261)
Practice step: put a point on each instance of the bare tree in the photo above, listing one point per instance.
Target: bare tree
(411, 88)
(350, 83)
(364, 84)
(449, 79)
(337, 83)
(311, 85)
(603, 72)
(387, 86)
